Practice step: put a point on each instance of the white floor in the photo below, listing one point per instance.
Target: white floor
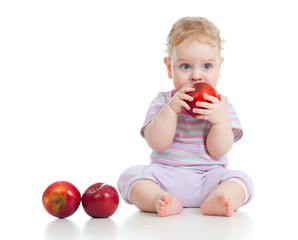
(272, 214)
(137, 225)
(250, 222)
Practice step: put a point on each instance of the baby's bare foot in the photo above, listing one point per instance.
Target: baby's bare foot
(217, 204)
(167, 205)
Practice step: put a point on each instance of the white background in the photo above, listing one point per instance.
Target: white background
(77, 77)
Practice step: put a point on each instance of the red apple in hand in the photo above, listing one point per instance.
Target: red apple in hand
(100, 200)
(61, 199)
(201, 88)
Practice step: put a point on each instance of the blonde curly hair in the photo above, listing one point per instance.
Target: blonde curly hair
(194, 28)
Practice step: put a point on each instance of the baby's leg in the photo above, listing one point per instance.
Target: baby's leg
(224, 200)
(149, 197)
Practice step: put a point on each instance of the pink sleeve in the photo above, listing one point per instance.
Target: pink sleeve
(155, 107)
(235, 122)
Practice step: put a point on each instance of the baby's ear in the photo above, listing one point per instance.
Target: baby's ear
(221, 59)
(167, 62)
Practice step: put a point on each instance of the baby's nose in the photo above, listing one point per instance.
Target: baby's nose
(196, 76)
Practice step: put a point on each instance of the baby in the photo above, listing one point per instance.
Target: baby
(189, 159)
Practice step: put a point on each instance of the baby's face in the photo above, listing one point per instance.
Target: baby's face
(193, 61)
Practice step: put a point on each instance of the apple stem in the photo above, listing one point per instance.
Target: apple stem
(96, 187)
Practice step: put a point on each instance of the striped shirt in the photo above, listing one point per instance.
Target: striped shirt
(188, 148)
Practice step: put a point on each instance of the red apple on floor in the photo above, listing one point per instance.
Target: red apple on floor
(201, 88)
(61, 199)
(100, 200)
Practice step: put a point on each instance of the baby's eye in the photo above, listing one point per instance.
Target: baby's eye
(206, 66)
(185, 66)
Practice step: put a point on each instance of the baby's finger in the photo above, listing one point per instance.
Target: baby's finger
(204, 105)
(202, 117)
(187, 88)
(185, 105)
(201, 111)
(211, 98)
(222, 98)
(187, 97)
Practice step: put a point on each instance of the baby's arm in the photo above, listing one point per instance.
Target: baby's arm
(160, 132)
(220, 138)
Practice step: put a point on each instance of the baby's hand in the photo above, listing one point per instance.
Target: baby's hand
(177, 103)
(216, 111)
